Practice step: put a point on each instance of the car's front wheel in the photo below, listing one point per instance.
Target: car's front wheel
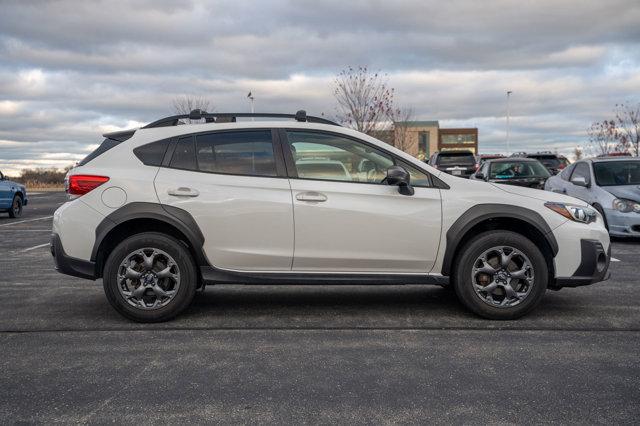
(150, 277)
(16, 207)
(500, 275)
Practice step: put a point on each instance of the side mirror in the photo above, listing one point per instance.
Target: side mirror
(1, 176)
(400, 177)
(580, 181)
(480, 175)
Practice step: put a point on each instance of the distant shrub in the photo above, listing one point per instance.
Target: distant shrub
(42, 177)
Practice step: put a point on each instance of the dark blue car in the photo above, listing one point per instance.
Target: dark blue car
(13, 196)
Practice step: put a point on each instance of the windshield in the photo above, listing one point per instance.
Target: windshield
(548, 160)
(612, 173)
(453, 159)
(517, 170)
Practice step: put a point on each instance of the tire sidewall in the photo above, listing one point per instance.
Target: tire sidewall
(470, 253)
(188, 278)
(12, 214)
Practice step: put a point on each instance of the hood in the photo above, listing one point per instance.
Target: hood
(539, 194)
(628, 192)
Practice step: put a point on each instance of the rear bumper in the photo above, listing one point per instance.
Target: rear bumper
(70, 265)
(593, 268)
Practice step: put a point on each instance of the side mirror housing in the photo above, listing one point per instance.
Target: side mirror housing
(580, 181)
(400, 177)
(480, 175)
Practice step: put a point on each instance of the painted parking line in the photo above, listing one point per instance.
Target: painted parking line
(35, 247)
(28, 230)
(25, 221)
(613, 259)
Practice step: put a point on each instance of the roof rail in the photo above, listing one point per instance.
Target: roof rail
(225, 117)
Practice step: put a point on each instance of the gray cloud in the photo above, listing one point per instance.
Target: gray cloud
(71, 70)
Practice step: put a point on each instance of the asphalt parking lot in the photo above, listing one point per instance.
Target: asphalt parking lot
(316, 354)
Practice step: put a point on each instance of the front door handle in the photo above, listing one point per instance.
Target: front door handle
(559, 190)
(312, 196)
(183, 192)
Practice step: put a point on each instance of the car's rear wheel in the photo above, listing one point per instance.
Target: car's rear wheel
(150, 277)
(16, 207)
(500, 275)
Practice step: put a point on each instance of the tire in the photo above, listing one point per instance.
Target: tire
(165, 285)
(511, 297)
(16, 207)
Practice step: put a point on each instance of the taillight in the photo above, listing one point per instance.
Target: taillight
(81, 184)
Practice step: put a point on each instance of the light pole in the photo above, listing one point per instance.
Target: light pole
(509, 92)
(250, 96)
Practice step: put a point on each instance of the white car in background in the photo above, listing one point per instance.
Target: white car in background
(611, 185)
(160, 211)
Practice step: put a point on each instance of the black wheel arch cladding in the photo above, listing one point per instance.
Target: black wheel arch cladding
(173, 216)
(484, 212)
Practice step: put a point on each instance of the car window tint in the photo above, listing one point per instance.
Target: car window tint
(517, 169)
(611, 173)
(184, 155)
(581, 170)
(567, 172)
(418, 177)
(331, 157)
(238, 153)
(152, 154)
(448, 159)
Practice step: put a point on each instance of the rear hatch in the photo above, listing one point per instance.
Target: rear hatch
(456, 163)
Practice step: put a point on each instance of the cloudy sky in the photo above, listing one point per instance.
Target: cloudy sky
(71, 70)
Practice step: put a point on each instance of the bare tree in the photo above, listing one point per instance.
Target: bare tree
(187, 103)
(603, 137)
(400, 117)
(628, 127)
(364, 99)
(577, 153)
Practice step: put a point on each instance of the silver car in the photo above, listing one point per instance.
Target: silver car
(611, 185)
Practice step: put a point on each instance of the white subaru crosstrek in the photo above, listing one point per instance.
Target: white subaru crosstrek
(161, 211)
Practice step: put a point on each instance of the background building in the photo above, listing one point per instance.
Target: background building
(423, 138)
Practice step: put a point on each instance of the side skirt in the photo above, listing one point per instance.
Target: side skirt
(212, 276)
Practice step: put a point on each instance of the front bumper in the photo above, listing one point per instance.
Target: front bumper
(593, 268)
(70, 265)
(623, 224)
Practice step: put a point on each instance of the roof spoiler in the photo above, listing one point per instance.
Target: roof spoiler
(120, 136)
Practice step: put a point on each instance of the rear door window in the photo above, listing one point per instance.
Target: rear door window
(184, 155)
(248, 153)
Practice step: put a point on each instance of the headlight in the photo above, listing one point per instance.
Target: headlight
(626, 206)
(572, 212)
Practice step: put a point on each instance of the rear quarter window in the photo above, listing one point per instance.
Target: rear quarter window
(152, 154)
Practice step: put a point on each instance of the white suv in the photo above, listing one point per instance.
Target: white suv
(161, 211)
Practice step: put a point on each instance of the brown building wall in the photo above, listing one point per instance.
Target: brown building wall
(457, 139)
(411, 144)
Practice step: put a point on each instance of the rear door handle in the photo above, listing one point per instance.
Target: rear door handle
(183, 192)
(312, 196)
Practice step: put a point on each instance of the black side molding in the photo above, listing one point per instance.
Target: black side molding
(482, 212)
(212, 275)
(178, 218)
